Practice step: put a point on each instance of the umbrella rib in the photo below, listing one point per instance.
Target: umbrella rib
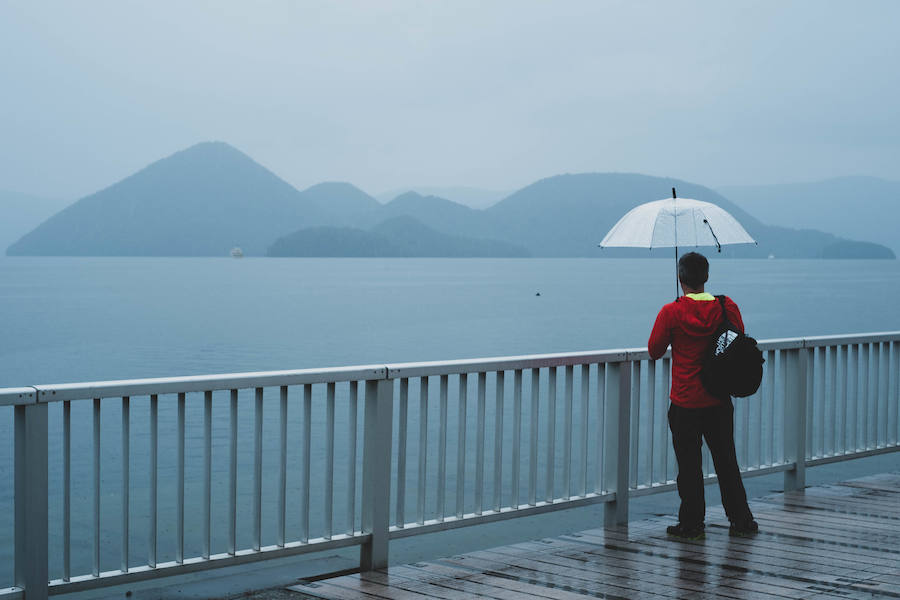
(715, 237)
(694, 223)
(653, 232)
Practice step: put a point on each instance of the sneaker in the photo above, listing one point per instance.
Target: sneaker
(744, 528)
(687, 532)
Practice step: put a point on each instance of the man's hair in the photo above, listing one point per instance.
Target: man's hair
(693, 269)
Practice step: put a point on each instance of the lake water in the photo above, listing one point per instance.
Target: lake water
(81, 319)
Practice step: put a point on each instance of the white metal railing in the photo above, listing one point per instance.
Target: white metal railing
(539, 433)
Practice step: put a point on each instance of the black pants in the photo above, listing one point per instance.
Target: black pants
(715, 424)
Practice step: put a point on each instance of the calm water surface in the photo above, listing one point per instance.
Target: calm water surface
(80, 319)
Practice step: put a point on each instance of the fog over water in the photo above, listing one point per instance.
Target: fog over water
(400, 93)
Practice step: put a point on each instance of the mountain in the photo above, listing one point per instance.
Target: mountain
(330, 241)
(208, 198)
(438, 213)
(418, 239)
(201, 201)
(863, 208)
(20, 213)
(567, 215)
(399, 237)
(342, 202)
(847, 249)
(476, 198)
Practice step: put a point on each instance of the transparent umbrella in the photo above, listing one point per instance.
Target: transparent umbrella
(676, 222)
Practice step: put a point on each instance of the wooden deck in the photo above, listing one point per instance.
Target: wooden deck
(835, 541)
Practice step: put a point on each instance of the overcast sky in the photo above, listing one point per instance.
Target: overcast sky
(487, 94)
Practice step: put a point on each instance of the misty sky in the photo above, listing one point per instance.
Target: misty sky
(487, 94)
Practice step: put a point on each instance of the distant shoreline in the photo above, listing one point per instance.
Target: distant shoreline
(211, 197)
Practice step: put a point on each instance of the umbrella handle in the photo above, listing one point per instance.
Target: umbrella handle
(676, 245)
(676, 273)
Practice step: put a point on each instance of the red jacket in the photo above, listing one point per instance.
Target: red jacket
(688, 325)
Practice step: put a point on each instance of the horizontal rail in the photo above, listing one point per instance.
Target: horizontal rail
(670, 486)
(468, 519)
(17, 396)
(781, 344)
(206, 383)
(507, 363)
(193, 565)
(853, 338)
(827, 460)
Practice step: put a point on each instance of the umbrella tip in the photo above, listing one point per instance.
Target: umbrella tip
(673, 193)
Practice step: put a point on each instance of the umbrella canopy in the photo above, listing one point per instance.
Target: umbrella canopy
(676, 222)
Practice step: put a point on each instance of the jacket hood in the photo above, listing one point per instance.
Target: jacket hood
(699, 318)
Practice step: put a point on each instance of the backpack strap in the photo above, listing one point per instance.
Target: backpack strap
(721, 299)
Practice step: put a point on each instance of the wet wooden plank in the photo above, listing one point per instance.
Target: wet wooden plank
(767, 548)
(852, 528)
(655, 583)
(830, 520)
(767, 543)
(762, 546)
(885, 487)
(851, 498)
(849, 540)
(448, 576)
(518, 584)
(493, 587)
(328, 590)
(572, 580)
(663, 576)
(891, 477)
(796, 525)
(676, 563)
(851, 487)
(395, 585)
(862, 499)
(786, 579)
(738, 557)
(807, 553)
(828, 515)
(836, 505)
(828, 542)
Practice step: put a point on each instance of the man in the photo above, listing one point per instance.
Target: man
(688, 324)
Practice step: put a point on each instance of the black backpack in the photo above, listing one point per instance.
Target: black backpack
(734, 364)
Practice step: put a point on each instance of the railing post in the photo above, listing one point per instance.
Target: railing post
(616, 441)
(31, 571)
(795, 399)
(376, 477)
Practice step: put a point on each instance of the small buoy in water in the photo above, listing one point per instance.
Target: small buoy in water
(538, 294)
